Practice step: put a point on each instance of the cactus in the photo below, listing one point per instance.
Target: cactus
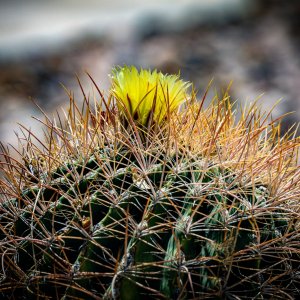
(152, 196)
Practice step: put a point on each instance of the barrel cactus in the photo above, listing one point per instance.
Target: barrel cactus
(150, 194)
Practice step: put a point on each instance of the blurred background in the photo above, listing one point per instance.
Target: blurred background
(45, 44)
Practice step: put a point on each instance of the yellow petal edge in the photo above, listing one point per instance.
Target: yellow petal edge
(139, 93)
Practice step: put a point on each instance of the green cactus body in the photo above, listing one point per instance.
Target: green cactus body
(187, 209)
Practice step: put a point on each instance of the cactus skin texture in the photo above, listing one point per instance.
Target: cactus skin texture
(198, 205)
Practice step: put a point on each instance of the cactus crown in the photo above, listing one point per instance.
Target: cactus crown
(104, 209)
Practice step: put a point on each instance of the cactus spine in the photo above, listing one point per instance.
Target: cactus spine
(142, 200)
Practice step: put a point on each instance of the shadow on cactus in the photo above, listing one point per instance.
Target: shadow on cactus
(147, 195)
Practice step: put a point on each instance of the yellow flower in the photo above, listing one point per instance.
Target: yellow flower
(147, 94)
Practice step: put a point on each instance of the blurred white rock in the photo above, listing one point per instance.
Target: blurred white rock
(35, 25)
